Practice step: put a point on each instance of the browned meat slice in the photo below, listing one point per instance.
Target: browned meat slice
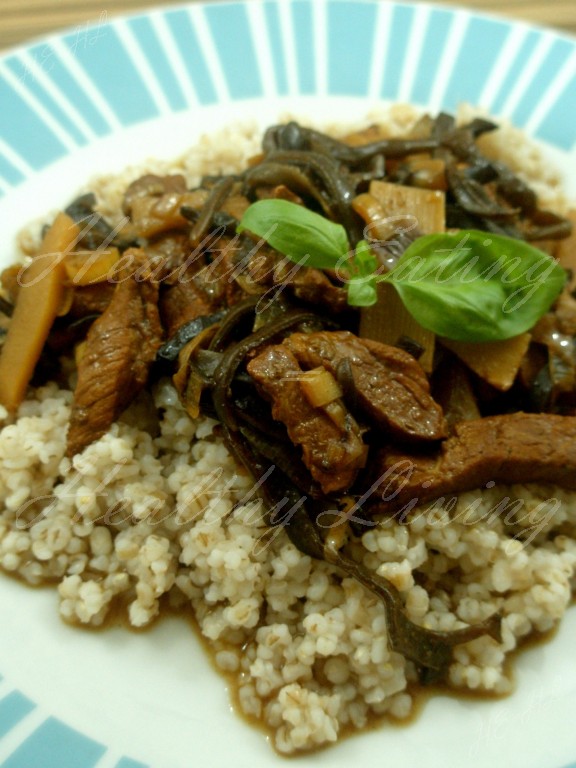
(219, 278)
(168, 252)
(453, 391)
(182, 302)
(91, 299)
(198, 288)
(388, 384)
(313, 286)
(120, 348)
(329, 437)
(514, 448)
(268, 268)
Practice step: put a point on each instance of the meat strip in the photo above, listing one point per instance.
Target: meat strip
(389, 386)
(120, 348)
(514, 448)
(182, 302)
(199, 288)
(332, 449)
(313, 286)
(90, 299)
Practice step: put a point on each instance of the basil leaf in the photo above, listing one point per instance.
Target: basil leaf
(475, 286)
(468, 285)
(365, 262)
(361, 284)
(362, 292)
(301, 235)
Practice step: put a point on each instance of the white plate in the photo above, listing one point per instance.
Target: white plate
(108, 94)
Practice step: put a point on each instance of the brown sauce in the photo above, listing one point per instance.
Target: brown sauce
(421, 694)
(117, 617)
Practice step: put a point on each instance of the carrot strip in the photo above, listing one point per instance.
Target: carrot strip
(39, 300)
(89, 267)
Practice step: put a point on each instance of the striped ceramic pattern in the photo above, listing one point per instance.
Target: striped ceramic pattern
(59, 95)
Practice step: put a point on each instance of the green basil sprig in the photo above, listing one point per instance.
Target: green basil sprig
(298, 233)
(467, 285)
(309, 239)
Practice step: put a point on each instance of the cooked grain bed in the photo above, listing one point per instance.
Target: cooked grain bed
(144, 515)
